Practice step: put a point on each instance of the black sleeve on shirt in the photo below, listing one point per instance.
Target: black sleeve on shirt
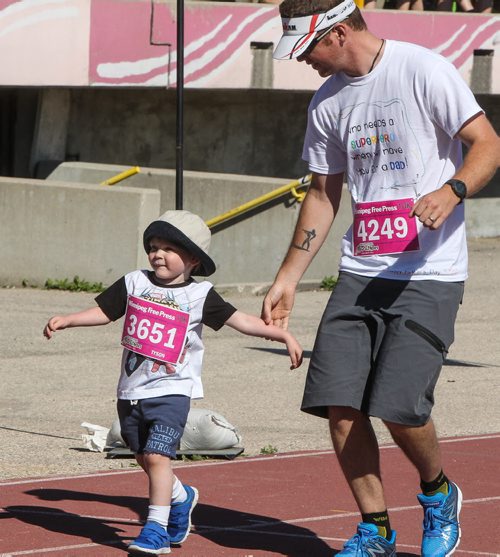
(216, 311)
(113, 301)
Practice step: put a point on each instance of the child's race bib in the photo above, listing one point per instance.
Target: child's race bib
(384, 227)
(154, 330)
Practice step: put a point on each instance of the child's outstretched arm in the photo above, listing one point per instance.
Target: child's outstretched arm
(254, 326)
(87, 318)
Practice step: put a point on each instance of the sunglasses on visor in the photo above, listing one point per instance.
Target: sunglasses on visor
(318, 39)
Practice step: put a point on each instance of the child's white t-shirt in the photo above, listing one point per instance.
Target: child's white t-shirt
(143, 377)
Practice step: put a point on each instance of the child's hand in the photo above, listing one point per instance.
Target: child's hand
(295, 351)
(253, 325)
(55, 323)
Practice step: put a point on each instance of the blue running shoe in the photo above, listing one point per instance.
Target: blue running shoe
(441, 527)
(367, 543)
(179, 521)
(153, 540)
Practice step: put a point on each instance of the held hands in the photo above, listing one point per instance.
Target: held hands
(435, 207)
(277, 305)
(252, 325)
(276, 309)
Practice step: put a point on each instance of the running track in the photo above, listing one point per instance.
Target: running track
(293, 504)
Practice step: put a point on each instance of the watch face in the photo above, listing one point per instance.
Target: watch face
(459, 188)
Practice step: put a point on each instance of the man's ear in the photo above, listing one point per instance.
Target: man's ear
(332, 36)
(340, 31)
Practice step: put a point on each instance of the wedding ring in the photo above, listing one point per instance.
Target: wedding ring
(432, 220)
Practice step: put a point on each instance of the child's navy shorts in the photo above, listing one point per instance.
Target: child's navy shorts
(154, 425)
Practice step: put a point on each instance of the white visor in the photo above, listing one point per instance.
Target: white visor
(298, 32)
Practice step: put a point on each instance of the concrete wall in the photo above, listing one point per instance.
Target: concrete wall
(59, 228)
(250, 132)
(55, 229)
(257, 133)
(248, 252)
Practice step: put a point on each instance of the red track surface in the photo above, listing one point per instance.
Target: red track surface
(295, 504)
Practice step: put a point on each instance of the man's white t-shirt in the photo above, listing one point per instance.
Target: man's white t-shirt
(391, 132)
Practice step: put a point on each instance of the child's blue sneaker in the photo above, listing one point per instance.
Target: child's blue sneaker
(441, 534)
(153, 540)
(366, 543)
(179, 521)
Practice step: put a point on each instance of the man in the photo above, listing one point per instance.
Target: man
(390, 120)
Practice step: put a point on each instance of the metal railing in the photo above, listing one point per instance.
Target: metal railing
(290, 188)
(122, 176)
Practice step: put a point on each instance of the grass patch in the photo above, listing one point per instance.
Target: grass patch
(75, 285)
(268, 449)
(329, 283)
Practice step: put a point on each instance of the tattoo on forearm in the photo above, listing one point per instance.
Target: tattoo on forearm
(306, 244)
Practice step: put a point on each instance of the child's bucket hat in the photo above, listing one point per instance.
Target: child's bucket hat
(189, 232)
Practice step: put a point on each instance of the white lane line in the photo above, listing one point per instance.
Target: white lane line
(257, 528)
(248, 460)
(59, 548)
(260, 524)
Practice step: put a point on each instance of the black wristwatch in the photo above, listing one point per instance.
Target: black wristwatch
(459, 189)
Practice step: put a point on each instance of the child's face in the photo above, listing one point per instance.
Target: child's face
(170, 263)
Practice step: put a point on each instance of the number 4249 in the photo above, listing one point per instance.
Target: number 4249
(373, 230)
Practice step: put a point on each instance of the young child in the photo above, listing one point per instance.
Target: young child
(165, 310)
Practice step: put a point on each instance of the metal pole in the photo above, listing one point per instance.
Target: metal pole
(179, 146)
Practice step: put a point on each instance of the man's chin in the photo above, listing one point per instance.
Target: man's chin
(323, 72)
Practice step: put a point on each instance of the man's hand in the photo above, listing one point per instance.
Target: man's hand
(435, 207)
(277, 305)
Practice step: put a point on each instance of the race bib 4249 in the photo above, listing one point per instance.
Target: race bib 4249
(384, 227)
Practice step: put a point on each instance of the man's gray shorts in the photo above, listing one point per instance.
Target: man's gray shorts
(380, 347)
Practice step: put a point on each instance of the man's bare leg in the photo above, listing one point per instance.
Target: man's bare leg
(357, 450)
(421, 447)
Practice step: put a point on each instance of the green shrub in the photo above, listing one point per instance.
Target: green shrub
(328, 283)
(76, 285)
(268, 449)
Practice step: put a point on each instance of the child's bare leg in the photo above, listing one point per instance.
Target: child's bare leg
(178, 492)
(140, 461)
(154, 536)
(159, 470)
